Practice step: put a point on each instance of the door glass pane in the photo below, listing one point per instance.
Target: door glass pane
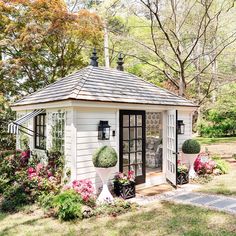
(132, 120)
(132, 158)
(139, 132)
(125, 120)
(139, 145)
(139, 157)
(132, 168)
(132, 133)
(125, 133)
(125, 159)
(139, 170)
(139, 120)
(126, 146)
(132, 145)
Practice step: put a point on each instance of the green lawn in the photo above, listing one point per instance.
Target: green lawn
(215, 140)
(156, 219)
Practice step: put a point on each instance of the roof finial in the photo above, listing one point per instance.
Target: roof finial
(94, 58)
(120, 62)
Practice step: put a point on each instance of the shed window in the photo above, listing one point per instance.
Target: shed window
(40, 131)
(58, 131)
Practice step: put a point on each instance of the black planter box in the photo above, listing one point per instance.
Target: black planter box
(182, 178)
(125, 191)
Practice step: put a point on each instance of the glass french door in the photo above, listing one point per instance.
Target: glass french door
(171, 154)
(132, 143)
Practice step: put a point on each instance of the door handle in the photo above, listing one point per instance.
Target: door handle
(175, 153)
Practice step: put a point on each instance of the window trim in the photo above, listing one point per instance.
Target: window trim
(36, 135)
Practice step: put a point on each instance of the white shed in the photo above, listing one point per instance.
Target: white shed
(148, 124)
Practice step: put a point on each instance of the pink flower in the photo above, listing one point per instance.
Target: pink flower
(32, 175)
(49, 173)
(75, 183)
(31, 170)
(39, 167)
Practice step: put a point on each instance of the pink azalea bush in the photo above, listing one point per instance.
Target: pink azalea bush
(203, 164)
(125, 178)
(23, 180)
(84, 188)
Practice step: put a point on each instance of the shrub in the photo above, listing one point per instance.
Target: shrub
(22, 181)
(204, 165)
(221, 165)
(46, 200)
(191, 146)
(105, 157)
(85, 189)
(68, 205)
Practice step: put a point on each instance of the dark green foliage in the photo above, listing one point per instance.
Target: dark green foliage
(15, 197)
(220, 119)
(105, 157)
(191, 146)
(68, 205)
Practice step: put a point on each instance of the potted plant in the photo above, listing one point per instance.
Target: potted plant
(104, 161)
(191, 149)
(124, 185)
(182, 173)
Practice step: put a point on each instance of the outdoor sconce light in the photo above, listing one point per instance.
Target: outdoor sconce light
(180, 127)
(103, 130)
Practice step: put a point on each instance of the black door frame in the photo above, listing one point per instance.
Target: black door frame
(142, 178)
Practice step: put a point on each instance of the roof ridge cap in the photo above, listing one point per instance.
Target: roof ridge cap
(84, 76)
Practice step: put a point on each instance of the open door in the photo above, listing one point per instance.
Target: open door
(171, 147)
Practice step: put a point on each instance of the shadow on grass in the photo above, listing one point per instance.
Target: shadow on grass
(7, 230)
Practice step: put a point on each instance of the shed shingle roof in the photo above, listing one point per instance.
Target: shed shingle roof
(105, 85)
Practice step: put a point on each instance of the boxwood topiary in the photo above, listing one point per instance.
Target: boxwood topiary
(191, 146)
(105, 157)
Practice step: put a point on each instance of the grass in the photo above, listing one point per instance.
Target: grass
(202, 140)
(155, 219)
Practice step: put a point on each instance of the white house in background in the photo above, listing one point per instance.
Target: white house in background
(148, 124)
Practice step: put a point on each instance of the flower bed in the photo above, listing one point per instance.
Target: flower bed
(206, 165)
(23, 180)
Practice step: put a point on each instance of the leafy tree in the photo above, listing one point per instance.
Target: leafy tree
(41, 41)
(219, 118)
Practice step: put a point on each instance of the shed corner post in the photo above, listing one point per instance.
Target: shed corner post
(74, 145)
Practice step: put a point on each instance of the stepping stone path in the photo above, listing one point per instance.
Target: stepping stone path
(210, 201)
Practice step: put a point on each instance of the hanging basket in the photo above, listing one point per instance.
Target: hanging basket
(125, 191)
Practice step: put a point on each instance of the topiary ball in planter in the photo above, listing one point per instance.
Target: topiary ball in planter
(105, 157)
(191, 146)
(190, 149)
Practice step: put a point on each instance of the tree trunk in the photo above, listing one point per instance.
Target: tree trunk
(106, 46)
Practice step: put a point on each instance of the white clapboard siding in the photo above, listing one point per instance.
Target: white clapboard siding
(187, 119)
(87, 140)
(68, 138)
(94, 145)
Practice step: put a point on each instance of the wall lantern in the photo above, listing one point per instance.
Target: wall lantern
(103, 130)
(180, 127)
